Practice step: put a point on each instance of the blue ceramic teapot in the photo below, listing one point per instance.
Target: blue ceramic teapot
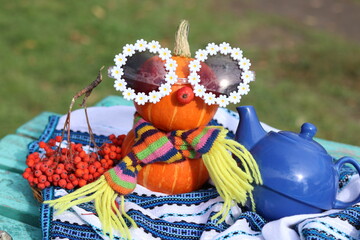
(299, 176)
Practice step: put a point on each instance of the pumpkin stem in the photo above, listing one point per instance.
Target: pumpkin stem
(182, 47)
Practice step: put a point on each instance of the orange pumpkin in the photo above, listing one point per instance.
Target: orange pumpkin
(169, 114)
(174, 178)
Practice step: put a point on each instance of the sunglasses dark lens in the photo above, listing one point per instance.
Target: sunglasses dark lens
(144, 72)
(220, 74)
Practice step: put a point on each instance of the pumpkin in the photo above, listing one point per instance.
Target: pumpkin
(174, 178)
(171, 114)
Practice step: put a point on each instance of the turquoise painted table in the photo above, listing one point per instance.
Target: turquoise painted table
(20, 212)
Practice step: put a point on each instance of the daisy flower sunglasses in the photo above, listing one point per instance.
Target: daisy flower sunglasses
(144, 72)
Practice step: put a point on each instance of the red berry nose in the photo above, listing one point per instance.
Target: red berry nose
(185, 95)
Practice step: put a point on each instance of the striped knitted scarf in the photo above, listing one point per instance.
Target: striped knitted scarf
(152, 145)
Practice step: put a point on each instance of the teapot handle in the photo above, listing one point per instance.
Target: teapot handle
(340, 204)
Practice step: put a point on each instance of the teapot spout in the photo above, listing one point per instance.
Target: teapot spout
(249, 130)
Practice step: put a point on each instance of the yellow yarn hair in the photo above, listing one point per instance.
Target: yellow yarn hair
(231, 182)
(104, 197)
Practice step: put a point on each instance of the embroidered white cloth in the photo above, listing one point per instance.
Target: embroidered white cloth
(187, 216)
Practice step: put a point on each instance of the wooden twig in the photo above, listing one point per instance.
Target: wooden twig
(86, 93)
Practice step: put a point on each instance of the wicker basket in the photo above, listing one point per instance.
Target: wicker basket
(37, 194)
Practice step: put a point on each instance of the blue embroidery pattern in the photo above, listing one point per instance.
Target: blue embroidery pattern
(318, 233)
(256, 222)
(351, 215)
(193, 198)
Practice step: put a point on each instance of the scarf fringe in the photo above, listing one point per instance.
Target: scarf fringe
(231, 182)
(104, 197)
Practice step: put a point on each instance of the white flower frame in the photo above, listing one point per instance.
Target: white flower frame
(120, 60)
(225, 49)
(171, 78)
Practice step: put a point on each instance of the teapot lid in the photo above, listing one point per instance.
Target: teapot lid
(305, 137)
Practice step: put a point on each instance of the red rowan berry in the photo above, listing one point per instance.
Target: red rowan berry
(85, 176)
(97, 164)
(113, 148)
(50, 161)
(37, 172)
(86, 158)
(58, 139)
(69, 167)
(42, 179)
(79, 172)
(26, 175)
(110, 163)
(30, 156)
(41, 186)
(105, 165)
(63, 158)
(37, 166)
(42, 145)
(72, 146)
(91, 178)
(49, 152)
(82, 154)
(82, 182)
(30, 178)
(92, 160)
(92, 169)
(75, 182)
(69, 186)
(64, 151)
(112, 155)
(49, 172)
(64, 175)
(72, 177)
(78, 147)
(43, 167)
(30, 162)
(106, 150)
(62, 183)
(52, 142)
(61, 165)
(55, 177)
(37, 159)
(82, 165)
(118, 150)
(59, 170)
(77, 159)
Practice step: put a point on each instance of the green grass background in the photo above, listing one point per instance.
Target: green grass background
(51, 49)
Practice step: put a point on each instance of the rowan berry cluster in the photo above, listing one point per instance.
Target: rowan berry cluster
(72, 166)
